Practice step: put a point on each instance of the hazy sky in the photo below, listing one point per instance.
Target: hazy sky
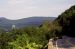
(16, 9)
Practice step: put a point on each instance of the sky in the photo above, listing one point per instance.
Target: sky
(17, 9)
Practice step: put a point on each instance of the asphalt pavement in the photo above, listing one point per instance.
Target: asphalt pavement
(64, 43)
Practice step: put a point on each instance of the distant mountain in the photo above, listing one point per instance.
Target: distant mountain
(31, 21)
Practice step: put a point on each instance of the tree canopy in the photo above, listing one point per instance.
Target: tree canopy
(67, 21)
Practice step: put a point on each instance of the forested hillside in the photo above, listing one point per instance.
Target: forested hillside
(26, 38)
(67, 22)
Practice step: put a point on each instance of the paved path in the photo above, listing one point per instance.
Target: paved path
(64, 43)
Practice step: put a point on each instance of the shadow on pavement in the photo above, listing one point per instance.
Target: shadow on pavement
(65, 42)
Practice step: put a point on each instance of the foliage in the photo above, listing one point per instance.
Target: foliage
(25, 38)
(67, 21)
